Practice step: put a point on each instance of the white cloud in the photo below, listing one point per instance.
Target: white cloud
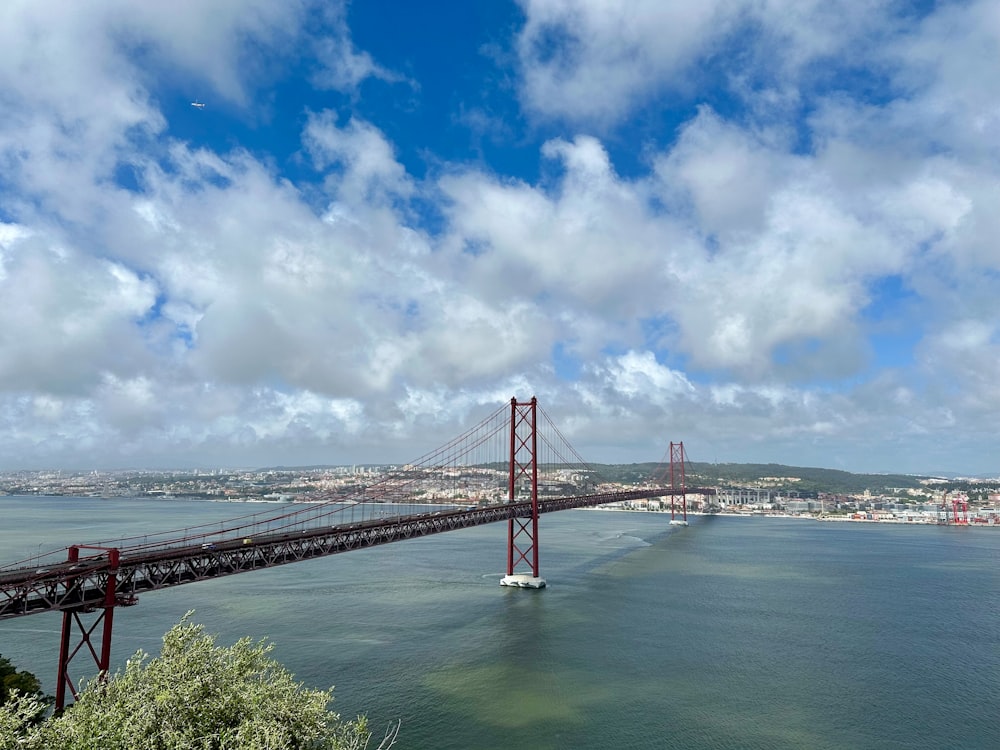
(570, 49)
(579, 247)
(344, 67)
(76, 80)
(725, 174)
(639, 374)
(948, 72)
(364, 167)
(592, 61)
(721, 290)
(66, 318)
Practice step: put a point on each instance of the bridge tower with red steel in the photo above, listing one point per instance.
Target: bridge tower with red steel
(522, 486)
(678, 484)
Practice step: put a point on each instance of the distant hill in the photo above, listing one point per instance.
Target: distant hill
(806, 480)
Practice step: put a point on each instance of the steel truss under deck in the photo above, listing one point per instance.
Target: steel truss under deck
(83, 583)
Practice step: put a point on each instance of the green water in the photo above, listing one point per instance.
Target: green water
(732, 633)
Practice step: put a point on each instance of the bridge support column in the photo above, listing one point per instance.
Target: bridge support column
(71, 618)
(522, 532)
(677, 483)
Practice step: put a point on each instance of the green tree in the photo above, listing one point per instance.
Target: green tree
(197, 696)
(11, 679)
(22, 704)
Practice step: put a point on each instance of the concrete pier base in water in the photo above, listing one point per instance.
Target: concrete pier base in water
(523, 580)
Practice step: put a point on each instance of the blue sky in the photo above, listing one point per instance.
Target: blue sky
(767, 229)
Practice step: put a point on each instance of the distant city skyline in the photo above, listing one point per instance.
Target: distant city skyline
(259, 234)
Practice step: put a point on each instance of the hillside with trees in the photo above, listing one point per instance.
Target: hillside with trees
(806, 481)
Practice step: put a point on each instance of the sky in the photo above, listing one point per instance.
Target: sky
(766, 228)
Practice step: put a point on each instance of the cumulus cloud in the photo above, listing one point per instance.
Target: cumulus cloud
(728, 287)
(630, 52)
(361, 160)
(571, 49)
(67, 318)
(580, 245)
(342, 66)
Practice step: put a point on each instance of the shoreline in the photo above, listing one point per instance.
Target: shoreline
(800, 517)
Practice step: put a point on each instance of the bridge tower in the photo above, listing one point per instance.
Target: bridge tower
(71, 617)
(677, 483)
(522, 485)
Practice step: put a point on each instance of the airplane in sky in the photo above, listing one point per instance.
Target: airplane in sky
(197, 105)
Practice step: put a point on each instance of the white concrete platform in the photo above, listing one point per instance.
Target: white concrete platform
(523, 580)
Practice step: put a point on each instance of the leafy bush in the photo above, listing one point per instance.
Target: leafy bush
(197, 696)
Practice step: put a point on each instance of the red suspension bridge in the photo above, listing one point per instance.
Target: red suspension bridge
(513, 466)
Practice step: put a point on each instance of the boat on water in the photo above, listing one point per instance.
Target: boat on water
(678, 522)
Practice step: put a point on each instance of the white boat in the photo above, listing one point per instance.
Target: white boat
(678, 522)
(523, 580)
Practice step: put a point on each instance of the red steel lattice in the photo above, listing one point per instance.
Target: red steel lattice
(522, 532)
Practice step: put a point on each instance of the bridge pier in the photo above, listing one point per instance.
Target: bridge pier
(105, 620)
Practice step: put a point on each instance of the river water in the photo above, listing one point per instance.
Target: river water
(731, 633)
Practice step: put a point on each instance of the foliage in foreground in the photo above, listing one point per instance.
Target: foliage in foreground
(195, 695)
(13, 680)
(23, 692)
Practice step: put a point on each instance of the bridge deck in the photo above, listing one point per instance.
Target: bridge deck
(82, 585)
